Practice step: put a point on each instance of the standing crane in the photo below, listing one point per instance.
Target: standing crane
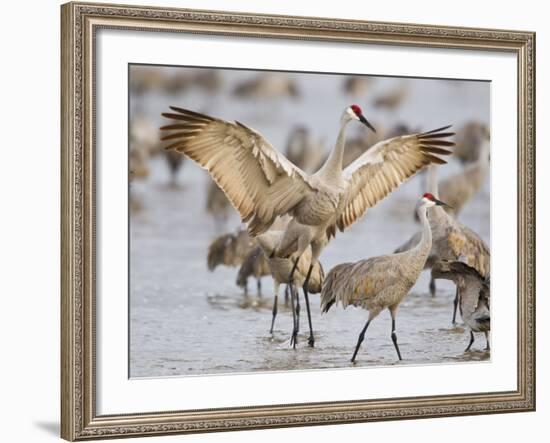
(304, 151)
(262, 184)
(469, 139)
(280, 270)
(267, 86)
(254, 264)
(229, 249)
(474, 295)
(357, 85)
(460, 188)
(452, 240)
(382, 282)
(217, 204)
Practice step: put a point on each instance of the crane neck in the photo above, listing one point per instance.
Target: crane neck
(332, 168)
(432, 181)
(425, 244)
(483, 158)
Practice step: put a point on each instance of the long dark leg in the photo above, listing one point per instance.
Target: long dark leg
(294, 325)
(259, 286)
(394, 336)
(360, 340)
(311, 339)
(291, 276)
(275, 307)
(287, 295)
(297, 310)
(455, 305)
(295, 303)
(488, 347)
(432, 287)
(471, 341)
(305, 288)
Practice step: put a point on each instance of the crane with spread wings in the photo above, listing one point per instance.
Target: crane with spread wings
(262, 184)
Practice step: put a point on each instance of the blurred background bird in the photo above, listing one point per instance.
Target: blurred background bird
(357, 86)
(267, 86)
(229, 249)
(256, 265)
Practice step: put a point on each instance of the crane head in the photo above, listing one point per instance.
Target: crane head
(429, 200)
(355, 113)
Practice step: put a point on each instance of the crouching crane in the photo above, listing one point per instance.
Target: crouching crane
(473, 295)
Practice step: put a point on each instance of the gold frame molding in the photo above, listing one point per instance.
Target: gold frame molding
(79, 22)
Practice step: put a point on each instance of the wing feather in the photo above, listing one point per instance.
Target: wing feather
(259, 182)
(386, 165)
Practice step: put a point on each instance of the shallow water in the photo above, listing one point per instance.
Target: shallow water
(185, 320)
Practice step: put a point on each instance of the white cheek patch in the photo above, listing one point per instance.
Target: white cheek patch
(352, 114)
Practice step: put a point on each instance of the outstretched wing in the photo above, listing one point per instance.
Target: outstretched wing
(386, 165)
(259, 182)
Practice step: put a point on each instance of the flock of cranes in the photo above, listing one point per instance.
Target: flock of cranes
(292, 213)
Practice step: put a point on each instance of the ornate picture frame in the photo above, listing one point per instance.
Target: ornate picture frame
(80, 22)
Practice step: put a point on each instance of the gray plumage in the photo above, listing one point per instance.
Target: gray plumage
(174, 160)
(460, 188)
(304, 151)
(281, 267)
(356, 85)
(452, 240)
(281, 270)
(255, 264)
(392, 99)
(473, 295)
(229, 249)
(267, 86)
(469, 140)
(217, 204)
(379, 283)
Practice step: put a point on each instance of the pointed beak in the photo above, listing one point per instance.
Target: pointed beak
(363, 120)
(440, 203)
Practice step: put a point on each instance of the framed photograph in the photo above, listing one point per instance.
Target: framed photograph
(277, 221)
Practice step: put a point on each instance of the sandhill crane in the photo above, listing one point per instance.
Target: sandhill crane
(356, 85)
(402, 129)
(469, 139)
(474, 295)
(304, 151)
(217, 204)
(452, 240)
(392, 99)
(144, 79)
(174, 160)
(262, 184)
(381, 282)
(229, 249)
(280, 270)
(143, 137)
(460, 188)
(255, 264)
(177, 82)
(267, 85)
